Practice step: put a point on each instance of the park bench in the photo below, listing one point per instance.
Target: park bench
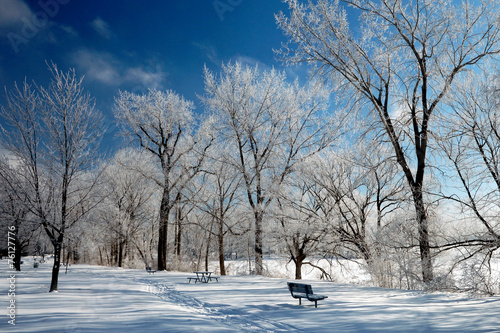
(300, 290)
(149, 270)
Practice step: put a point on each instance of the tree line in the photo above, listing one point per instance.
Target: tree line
(388, 155)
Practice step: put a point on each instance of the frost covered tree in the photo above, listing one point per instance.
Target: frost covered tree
(301, 224)
(53, 133)
(162, 124)
(399, 62)
(128, 204)
(271, 125)
(472, 146)
(15, 215)
(218, 196)
(340, 199)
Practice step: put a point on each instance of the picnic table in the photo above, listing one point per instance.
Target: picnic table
(203, 276)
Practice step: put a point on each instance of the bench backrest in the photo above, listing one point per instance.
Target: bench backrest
(300, 288)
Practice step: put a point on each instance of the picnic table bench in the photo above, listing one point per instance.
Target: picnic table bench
(204, 277)
(301, 290)
(149, 270)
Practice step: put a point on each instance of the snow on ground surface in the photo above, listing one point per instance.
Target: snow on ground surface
(101, 299)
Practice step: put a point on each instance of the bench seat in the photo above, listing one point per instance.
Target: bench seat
(301, 290)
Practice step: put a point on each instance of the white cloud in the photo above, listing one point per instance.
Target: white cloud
(209, 51)
(102, 28)
(21, 25)
(153, 80)
(98, 66)
(69, 30)
(12, 12)
(107, 69)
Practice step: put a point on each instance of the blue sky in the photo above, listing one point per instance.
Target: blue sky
(135, 45)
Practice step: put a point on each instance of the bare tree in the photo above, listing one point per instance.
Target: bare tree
(128, 202)
(472, 146)
(218, 197)
(301, 223)
(272, 125)
(162, 122)
(400, 64)
(353, 191)
(54, 134)
(15, 214)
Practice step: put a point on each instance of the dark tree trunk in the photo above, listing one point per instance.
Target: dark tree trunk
(423, 237)
(220, 237)
(57, 262)
(17, 254)
(121, 246)
(415, 183)
(163, 231)
(299, 260)
(259, 268)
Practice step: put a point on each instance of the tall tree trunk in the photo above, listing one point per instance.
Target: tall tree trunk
(101, 261)
(178, 232)
(163, 231)
(220, 237)
(416, 184)
(120, 253)
(423, 237)
(209, 240)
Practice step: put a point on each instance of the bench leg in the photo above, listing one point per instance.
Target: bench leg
(316, 304)
(300, 301)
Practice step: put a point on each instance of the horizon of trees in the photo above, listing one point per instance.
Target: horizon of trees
(389, 156)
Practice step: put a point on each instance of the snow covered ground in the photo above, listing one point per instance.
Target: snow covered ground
(100, 299)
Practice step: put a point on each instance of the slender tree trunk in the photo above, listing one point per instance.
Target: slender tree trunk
(101, 261)
(120, 253)
(259, 268)
(209, 240)
(249, 253)
(68, 253)
(178, 232)
(220, 237)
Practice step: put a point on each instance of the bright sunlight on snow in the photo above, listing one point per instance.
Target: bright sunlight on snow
(100, 299)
